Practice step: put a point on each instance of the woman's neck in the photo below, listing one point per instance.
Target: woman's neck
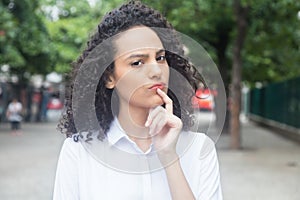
(133, 121)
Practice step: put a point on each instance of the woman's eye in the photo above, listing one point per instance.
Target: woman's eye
(161, 58)
(136, 63)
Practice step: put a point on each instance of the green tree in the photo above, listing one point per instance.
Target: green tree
(70, 23)
(271, 50)
(211, 24)
(272, 46)
(25, 45)
(9, 53)
(259, 38)
(241, 15)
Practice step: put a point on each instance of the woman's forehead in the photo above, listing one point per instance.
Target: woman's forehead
(137, 38)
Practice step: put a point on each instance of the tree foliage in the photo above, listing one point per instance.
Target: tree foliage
(38, 36)
(273, 43)
(271, 50)
(24, 39)
(70, 23)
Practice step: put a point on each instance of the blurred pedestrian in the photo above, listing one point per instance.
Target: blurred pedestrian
(14, 116)
(130, 150)
(46, 93)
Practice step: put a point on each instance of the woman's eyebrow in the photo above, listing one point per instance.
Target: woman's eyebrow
(137, 56)
(144, 55)
(160, 51)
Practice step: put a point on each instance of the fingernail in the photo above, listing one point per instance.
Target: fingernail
(147, 123)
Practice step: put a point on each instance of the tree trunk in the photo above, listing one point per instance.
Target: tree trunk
(223, 68)
(235, 101)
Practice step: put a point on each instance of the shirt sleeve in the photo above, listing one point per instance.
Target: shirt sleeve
(209, 187)
(66, 180)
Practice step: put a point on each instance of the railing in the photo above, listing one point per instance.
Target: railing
(279, 102)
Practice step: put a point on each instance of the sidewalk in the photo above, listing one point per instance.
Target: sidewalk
(28, 162)
(268, 166)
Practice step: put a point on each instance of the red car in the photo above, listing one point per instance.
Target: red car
(204, 99)
(55, 104)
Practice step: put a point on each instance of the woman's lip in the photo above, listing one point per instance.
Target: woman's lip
(160, 86)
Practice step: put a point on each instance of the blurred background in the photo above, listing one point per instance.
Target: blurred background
(255, 45)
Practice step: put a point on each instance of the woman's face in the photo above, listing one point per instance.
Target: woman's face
(140, 68)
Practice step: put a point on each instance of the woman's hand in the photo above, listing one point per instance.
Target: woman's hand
(164, 127)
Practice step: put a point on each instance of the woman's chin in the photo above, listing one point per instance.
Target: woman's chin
(156, 103)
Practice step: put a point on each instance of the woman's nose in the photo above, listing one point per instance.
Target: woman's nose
(154, 71)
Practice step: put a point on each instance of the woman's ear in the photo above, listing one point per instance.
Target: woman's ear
(110, 83)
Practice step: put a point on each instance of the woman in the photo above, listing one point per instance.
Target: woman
(143, 116)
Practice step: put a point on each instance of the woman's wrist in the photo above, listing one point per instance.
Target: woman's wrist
(166, 158)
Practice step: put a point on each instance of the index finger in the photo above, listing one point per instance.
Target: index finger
(168, 102)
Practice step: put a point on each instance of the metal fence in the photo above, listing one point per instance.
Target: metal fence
(278, 102)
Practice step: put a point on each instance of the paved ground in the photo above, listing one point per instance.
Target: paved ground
(268, 167)
(28, 162)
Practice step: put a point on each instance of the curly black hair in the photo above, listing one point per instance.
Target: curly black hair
(130, 14)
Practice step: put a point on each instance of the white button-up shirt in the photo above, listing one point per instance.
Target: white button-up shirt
(121, 170)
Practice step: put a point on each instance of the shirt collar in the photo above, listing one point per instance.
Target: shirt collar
(115, 132)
